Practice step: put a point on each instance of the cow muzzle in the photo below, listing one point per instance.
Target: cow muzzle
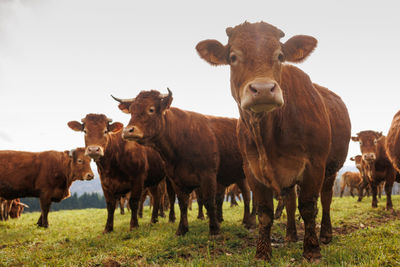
(88, 177)
(132, 133)
(95, 152)
(262, 95)
(369, 157)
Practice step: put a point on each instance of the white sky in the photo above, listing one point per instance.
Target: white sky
(61, 59)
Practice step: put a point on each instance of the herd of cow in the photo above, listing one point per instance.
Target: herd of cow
(291, 132)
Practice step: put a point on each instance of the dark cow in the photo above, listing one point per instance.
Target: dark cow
(378, 167)
(162, 195)
(123, 166)
(393, 144)
(352, 180)
(291, 131)
(200, 151)
(46, 175)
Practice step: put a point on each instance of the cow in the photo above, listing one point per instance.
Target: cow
(232, 192)
(291, 130)
(352, 180)
(17, 208)
(123, 166)
(393, 144)
(162, 195)
(124, 203)
(360, 165)
(378, 167)
(201, 151)
(47, 175)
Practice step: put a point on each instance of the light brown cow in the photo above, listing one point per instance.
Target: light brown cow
(378, 167)
(360, 165)
(352, 180)
(47, 175)
(291, 131)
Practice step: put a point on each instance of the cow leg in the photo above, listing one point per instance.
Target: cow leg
(190, 201)
(265, 210)
(8, 208)
(156, 201)
(351, 191)
(208, 191)
(121, 205)
(110, 202)
(290, 204)
(279, 208)
(374, 193)
(326, 200)
(141, 204)
(388, 190)
(134, 202)
(45, 203)
(233, 199)
(171, 198)
(308, 198)
(183, 199)
(244, 187)
(200, 203)
(380, 191)
(219, 201)
(162, 199)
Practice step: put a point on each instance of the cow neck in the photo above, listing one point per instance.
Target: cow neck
(163, 142)
(66, 169)
(254, 123)
(113, 147)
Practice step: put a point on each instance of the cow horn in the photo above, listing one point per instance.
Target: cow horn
(23, 204)
(123, 100)
(109, 120)
(166, 95)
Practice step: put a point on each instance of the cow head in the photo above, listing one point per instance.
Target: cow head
(97, 128)
(368, 144)
(256, 55)
(357, 160)
(146, 111)
(80, 165)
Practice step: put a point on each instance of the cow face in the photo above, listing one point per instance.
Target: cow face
(146, 111)
(357, 160)
(97, 128)
(80, 166)
(255, 55)
(368, 144)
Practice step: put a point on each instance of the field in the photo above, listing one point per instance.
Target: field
(362, 237)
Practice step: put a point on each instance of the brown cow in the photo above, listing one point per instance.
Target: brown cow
(378, 167)
(393, 144)
(162, 195)
(352, 180)
(360, 165)
(291, 131)
(46, 175)
(17, 208)
(123, 166)
(200, 151)
(232, 192)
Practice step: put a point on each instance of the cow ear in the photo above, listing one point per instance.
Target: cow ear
(213, 52)
(124, 107)
(76, 126)
(298, 48)
(166, 100)
(355, 138)
(352, 159)
(115, 127)
(379, 134)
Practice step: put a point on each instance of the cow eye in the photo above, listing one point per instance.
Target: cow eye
(85, 131)
(80, 161)
(361, 143)
(375, 141)
(105, 132)
(281, 57)
(151, 110)
(233, 58)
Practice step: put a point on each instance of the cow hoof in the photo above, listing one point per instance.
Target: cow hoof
(325, 239)
(312, 257)
(171, 220)
(214, 232)
(106, 231)
(291, 238)
(200, 217)
(181, 232)
(263, 256)
(154, 221)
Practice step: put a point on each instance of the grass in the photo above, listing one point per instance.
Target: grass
(362, 237)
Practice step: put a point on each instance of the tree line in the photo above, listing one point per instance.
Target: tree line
(74, 202)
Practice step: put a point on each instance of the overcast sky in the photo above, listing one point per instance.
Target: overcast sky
(61, 59)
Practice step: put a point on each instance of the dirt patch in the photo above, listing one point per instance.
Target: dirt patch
(111, 263)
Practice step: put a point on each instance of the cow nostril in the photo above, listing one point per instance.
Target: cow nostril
(131, 130)
(252, 89)
(273, 88)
